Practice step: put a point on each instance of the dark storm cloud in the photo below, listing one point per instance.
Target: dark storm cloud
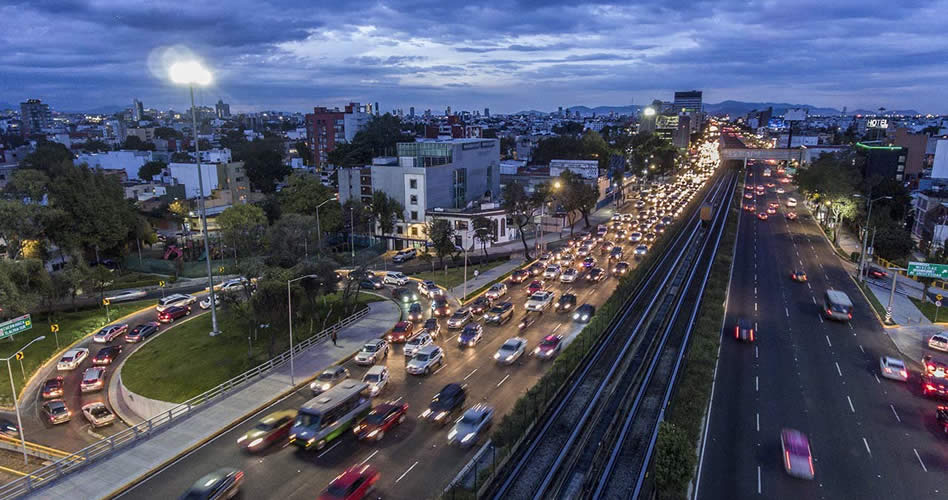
(508, 54)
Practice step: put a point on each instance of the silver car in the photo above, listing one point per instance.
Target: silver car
(460, 318)
(328, 379)
(472, 424)
(420, 340)
(511, 351)
(893, 368)
(496, 291)
(372, 352)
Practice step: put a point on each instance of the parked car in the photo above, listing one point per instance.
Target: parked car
(72, 359)
(425, 360)
(56, 412)
(109, 333)
(98, 414)
(53, 388)
(126, 296)
(450, 399)
(474, 423)
(372, 352)
(381, 419)
(175, 299)
(496, 291)
(354, 483)
(499, 313)
(172, 313)
(222, 483)
(107, 355)
(511, 350)
(328, 378)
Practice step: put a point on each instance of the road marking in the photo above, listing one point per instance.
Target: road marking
(867, 446)
(469, 374)
(877, 378)
(397, 399)
(328, 450)
(787, 311)
(920, 460)
(438, 370)
(758, 421)
(850, 404)
(828, 342)
(755, 277)
(840, 372)
(808, 285)
(755, 306)
(801, 262)
(368, 457)
(406, 472)
(557, 328)
(756, 383)
(758, 480)
(861, 349)
(820, 316)
(896, 414)
(814, 299)
(755, 291)
(755, 352)
(504, 380)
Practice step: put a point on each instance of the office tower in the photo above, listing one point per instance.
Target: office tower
(35, 116)
(138, 110)
(222, 109)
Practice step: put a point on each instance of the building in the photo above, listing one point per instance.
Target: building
(35, 117)
(222, 109)
(127, 161)
(326, 127)
(138, 110)
(411, 112)
(688, 102)
(587, 169)
(145, 134)
(915, 145)
(487, 112)
(462, 220)
(930, 208)
(187, 174)
(234, 185)
(887, 162)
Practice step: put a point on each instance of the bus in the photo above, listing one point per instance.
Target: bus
(836, 305)
(327, 416)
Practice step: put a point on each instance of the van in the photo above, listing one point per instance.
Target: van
(836, 305)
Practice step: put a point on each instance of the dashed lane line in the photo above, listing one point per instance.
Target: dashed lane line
(867, 446)
(469, 374)
(830, 344)
(369, 457)
(895, 413)
(840, 372)
(920, 460)
(851, 408)
(503, 380)
(406, 472)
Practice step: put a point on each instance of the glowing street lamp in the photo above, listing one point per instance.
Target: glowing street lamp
(649, 111)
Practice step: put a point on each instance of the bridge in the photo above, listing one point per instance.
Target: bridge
(780, 154)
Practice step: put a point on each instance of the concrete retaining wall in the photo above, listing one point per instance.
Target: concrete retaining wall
(142, 406)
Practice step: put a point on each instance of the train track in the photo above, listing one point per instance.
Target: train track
(556, 458)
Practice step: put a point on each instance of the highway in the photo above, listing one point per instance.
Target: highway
(870, 437)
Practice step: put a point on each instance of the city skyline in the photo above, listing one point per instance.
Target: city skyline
(79, 56)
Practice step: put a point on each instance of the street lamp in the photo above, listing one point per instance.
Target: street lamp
(193, 73)
(865, 235)
(556, 185)
(319, 239)
(16, 406)
(289, 302)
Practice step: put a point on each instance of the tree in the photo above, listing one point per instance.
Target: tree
(577, 196)
(134, 143)
(181, 157)
(378, 137)
(242, 225)
(304, 152)
(269, 306)
(441, 234)
(92, 145)
(290, 237)
(151, 169)
(484, 231)
(263, 161)
(167, 133)
(47, 156)
(507, 146)
(303, 193)
(521, 208)
(674, 459)
(29, 183)
(384, 211)
(568, 128)
(21, 286)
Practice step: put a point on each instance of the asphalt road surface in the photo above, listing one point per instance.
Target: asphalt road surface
(870, 437)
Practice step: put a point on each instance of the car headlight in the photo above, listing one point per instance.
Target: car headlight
(292, 437)
(441, 415)
(576, 316)
(241, 439)
(426, 413)
(373, 433)
(310, 440)
(374, 389)
(452, 434)
(467, 438)
(496, 355)
(536, 350)
(255, 443)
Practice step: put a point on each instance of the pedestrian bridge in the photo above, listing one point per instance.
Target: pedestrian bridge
(780, 154)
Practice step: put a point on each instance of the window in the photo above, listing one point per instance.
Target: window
(414, 215)
(413, 199)
(414, 231)
(398, 230)
(412, 183)
(460, 225)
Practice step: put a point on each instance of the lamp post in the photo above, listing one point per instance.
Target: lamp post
(16, 406)
(289, 303)
(193, 73)
(555, 187)
(319, 234)
(865, 235)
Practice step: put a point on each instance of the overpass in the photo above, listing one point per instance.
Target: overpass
(780, 154)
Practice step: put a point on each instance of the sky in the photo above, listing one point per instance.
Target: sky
(507, 55)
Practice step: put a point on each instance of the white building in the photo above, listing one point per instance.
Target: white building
(129, 161)
(145, 192)
(187, 174)
(587, 169)
(216, 156)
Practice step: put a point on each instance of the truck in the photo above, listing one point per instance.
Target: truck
(706, 213)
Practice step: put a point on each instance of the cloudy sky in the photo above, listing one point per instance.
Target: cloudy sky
(508, 55)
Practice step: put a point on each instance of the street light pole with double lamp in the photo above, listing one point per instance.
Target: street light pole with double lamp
(16, 405)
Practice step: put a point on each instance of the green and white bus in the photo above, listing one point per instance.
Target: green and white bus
(330, 414)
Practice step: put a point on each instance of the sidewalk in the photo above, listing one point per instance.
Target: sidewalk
(104, 476)
(486, 277)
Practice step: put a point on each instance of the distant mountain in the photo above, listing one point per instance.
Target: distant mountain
(101, 110)
(888, 112)
(742, 108)
(6, 105)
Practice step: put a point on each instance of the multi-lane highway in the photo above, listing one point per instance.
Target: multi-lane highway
(870, 437)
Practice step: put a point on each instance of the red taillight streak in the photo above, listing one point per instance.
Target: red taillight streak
(737, 332)
(752, 334)
(788, 460)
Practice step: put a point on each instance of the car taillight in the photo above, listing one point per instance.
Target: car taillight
(737, 332)
(929, 387)
(787, 458)
(752, 334)
(239, 475)
(850, 315)
(903, 373)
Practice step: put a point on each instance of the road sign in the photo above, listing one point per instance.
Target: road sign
(15, 326)
(926, 270)
(54, 328)
(19, 355)
(161, 284)
(106, 302)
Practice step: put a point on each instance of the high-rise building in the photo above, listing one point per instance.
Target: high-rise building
(35, 116)
(411, 111)
(325, 127)
(138, 110)
(222, 109)
(487, 112)
(377, 109)
(447, 111)
(688, 102)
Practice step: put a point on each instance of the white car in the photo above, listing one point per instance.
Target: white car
(377, 379)
(232, 285)
(205, 303)
(511, 351)
(395, 278)
(539, 300)
(635, 237)
(496, 291)
(420, 340)
(551, 272)
(781, 190)
(126, 296)
(175, 299)
(939, 342)
(893, 368)
(791, 202)
(98, 414)
(425, 360)
(569, 275)
(372, 352)
(72, 359)
(109, 333)
(430, 289)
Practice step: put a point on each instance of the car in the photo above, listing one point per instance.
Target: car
(354, 483)
(234, 285)
(499, 313)
(539, 301)
(545, 258)
(534, 287)
(172, 313)
(569, 275)
(780, 189)
(536, 268)
(528, 319)
(938, 342)
(620, 269)
(381, 419)
(596, 274)
(519, 276)
(615, 253)
(424, 361)
(797, 459)
(395, 278)
(460, 318)
(422, 339)
(566, 302)
(72, 359)
(404, 295)
(749, 196)
(551, 272)
(475, 422)
(93, 379)
(750, 207)
(372, 352)
(440, 307)
(142, 332)
(471, 335)
(744, 330)
(271, 429)
(791, 202)
(584, 312)
(773, 204)
(328, 378)
(430, 289)
(876, 272)
(511, 350)
(771, 211)
(934, 385)
(175, 299)
(401, 332)
(371, 284)
(126, 296)
(564, 261)
(798, 276)
(109, 333)
(98, 414)
(56, 412)
(934, 366)
(376, 378)
(415, 312)
(360, 274)
(640, 251)
(480, 305)
(205, 303)
(8, 428)
(635, 237)
(404, 255)
(893, 368)
(53, 388)
(449, 400)
(941, 416)
(791, 216)
(589, 262)
(107, 354)
(433, 327)
(496, 291)
(762, 215)
(550, 346)
(605, 246)
(222, 483)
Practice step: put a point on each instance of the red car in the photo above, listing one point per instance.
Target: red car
(53, 388)
(876, 272)
(519, 276)
(353, 484)
(382, 418)
(401, 332)
(535, 286)
(750, 208)
(791, 215)
(172, 313)
(762, 216)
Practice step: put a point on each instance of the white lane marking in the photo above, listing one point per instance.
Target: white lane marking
(469, 374)
(755, 277)
(896, 414)
(808, 285)
(920, 460)
(828, 341)
(867, 446)
(755, 291)
(877, 378)
(504, 380)
(368, 457)
(758, 480)
(814, 299)
(755, 306)
(801, 262)
(397, 400)
(851, 408)
(328, 450)
(557, 328)
(758, 422)
(840, 372)
(786, 311)
(406, 472)
(438, 370)
(850, 326)
(861, 349)
(756, 383)
(820, 316)
(755, 352)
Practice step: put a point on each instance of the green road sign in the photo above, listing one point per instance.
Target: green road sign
(15, 326)
(926, 270)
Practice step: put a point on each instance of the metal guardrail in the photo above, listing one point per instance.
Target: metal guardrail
(96, 451)
(33, 449)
